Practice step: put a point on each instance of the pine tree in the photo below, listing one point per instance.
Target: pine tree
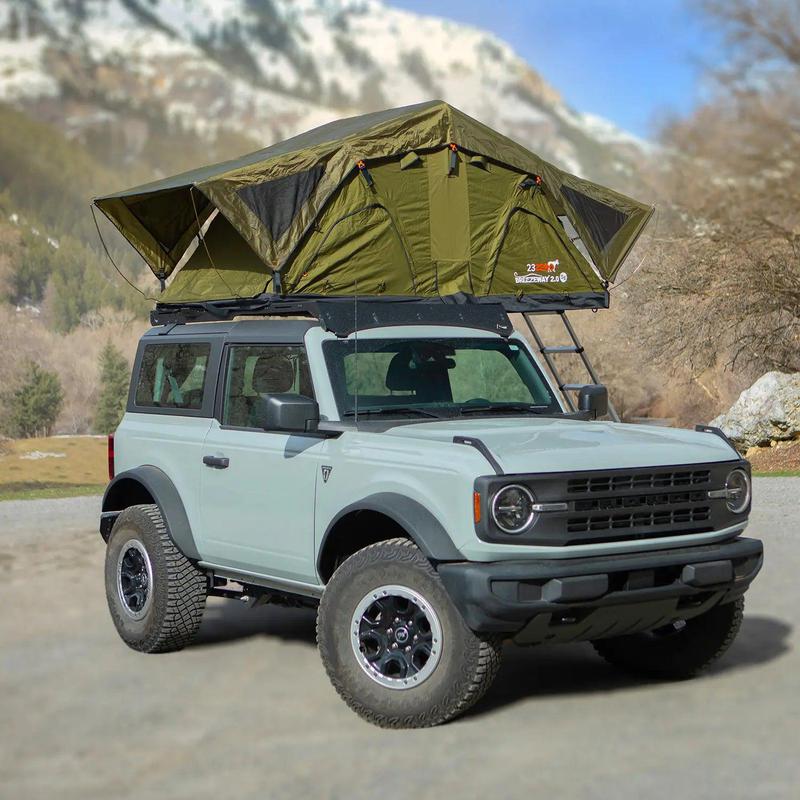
(114, 376)
(34, 407)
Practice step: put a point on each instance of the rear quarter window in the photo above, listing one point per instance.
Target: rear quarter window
(172, 376)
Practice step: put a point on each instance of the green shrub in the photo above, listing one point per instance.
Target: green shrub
(32, 409)
(114, 376)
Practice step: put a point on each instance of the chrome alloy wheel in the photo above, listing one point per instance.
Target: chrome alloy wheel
(396, 637)
(134, 579)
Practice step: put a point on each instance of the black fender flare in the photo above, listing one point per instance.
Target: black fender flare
(159, 486)
(422, 526)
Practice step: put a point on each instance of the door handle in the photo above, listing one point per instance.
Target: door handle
(217, 462)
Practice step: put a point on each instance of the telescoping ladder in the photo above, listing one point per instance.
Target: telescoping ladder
(548, 351)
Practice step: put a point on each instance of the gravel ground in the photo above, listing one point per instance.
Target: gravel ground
(248, 712)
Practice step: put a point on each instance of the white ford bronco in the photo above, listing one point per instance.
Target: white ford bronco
(419, 478)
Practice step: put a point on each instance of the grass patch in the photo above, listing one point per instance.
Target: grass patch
(39, 491)
(57, 466)
(779, 461)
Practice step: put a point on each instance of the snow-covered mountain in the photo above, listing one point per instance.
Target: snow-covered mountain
(267, 69)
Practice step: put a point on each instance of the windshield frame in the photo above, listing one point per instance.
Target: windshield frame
(334, 351)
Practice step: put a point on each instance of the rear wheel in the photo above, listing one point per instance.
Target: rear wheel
(156, 596)
(680, 650)
(393, 644)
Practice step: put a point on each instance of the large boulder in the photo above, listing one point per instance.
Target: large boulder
(766, 412)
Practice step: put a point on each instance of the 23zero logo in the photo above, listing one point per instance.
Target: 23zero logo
(541, 272)
(547, 266)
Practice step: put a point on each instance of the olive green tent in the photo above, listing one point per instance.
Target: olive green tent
(421, 201)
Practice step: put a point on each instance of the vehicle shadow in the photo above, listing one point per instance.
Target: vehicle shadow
(529, 672)
(231, 620)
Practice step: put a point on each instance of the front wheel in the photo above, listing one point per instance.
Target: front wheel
(680, 650)
(393, 644)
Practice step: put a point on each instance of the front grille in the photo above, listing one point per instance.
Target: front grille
(621, 502)
(619, 507)
(639, 480)
(638, 519)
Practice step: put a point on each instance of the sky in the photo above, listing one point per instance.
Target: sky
(634, 62)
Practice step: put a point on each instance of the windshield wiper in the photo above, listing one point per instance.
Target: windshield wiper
(387, 410)
(510, 407)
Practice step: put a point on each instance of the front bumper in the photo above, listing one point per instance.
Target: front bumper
(591, 598)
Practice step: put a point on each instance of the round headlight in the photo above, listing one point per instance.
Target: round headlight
(737, 486)
(512, 509)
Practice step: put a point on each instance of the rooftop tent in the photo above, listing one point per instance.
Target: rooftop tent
(421, 201)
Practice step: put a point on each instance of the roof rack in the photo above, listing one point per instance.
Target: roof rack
(273, 305)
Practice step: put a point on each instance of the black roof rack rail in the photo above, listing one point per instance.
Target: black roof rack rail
(343, 318)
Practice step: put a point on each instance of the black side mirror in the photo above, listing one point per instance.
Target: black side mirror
(289, 412)
(594, 399)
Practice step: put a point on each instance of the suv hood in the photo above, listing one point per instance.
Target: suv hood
(560, 445)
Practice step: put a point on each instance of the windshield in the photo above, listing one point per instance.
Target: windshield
(436, 378)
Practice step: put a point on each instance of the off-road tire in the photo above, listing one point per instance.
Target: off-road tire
(178, 587)
(467, 665)
(679, 655)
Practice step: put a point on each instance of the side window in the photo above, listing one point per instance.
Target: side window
(172, 376)
(257, 371)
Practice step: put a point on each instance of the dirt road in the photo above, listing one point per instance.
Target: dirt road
(248, 712)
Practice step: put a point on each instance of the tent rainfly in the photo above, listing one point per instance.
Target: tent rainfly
(421, 201)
